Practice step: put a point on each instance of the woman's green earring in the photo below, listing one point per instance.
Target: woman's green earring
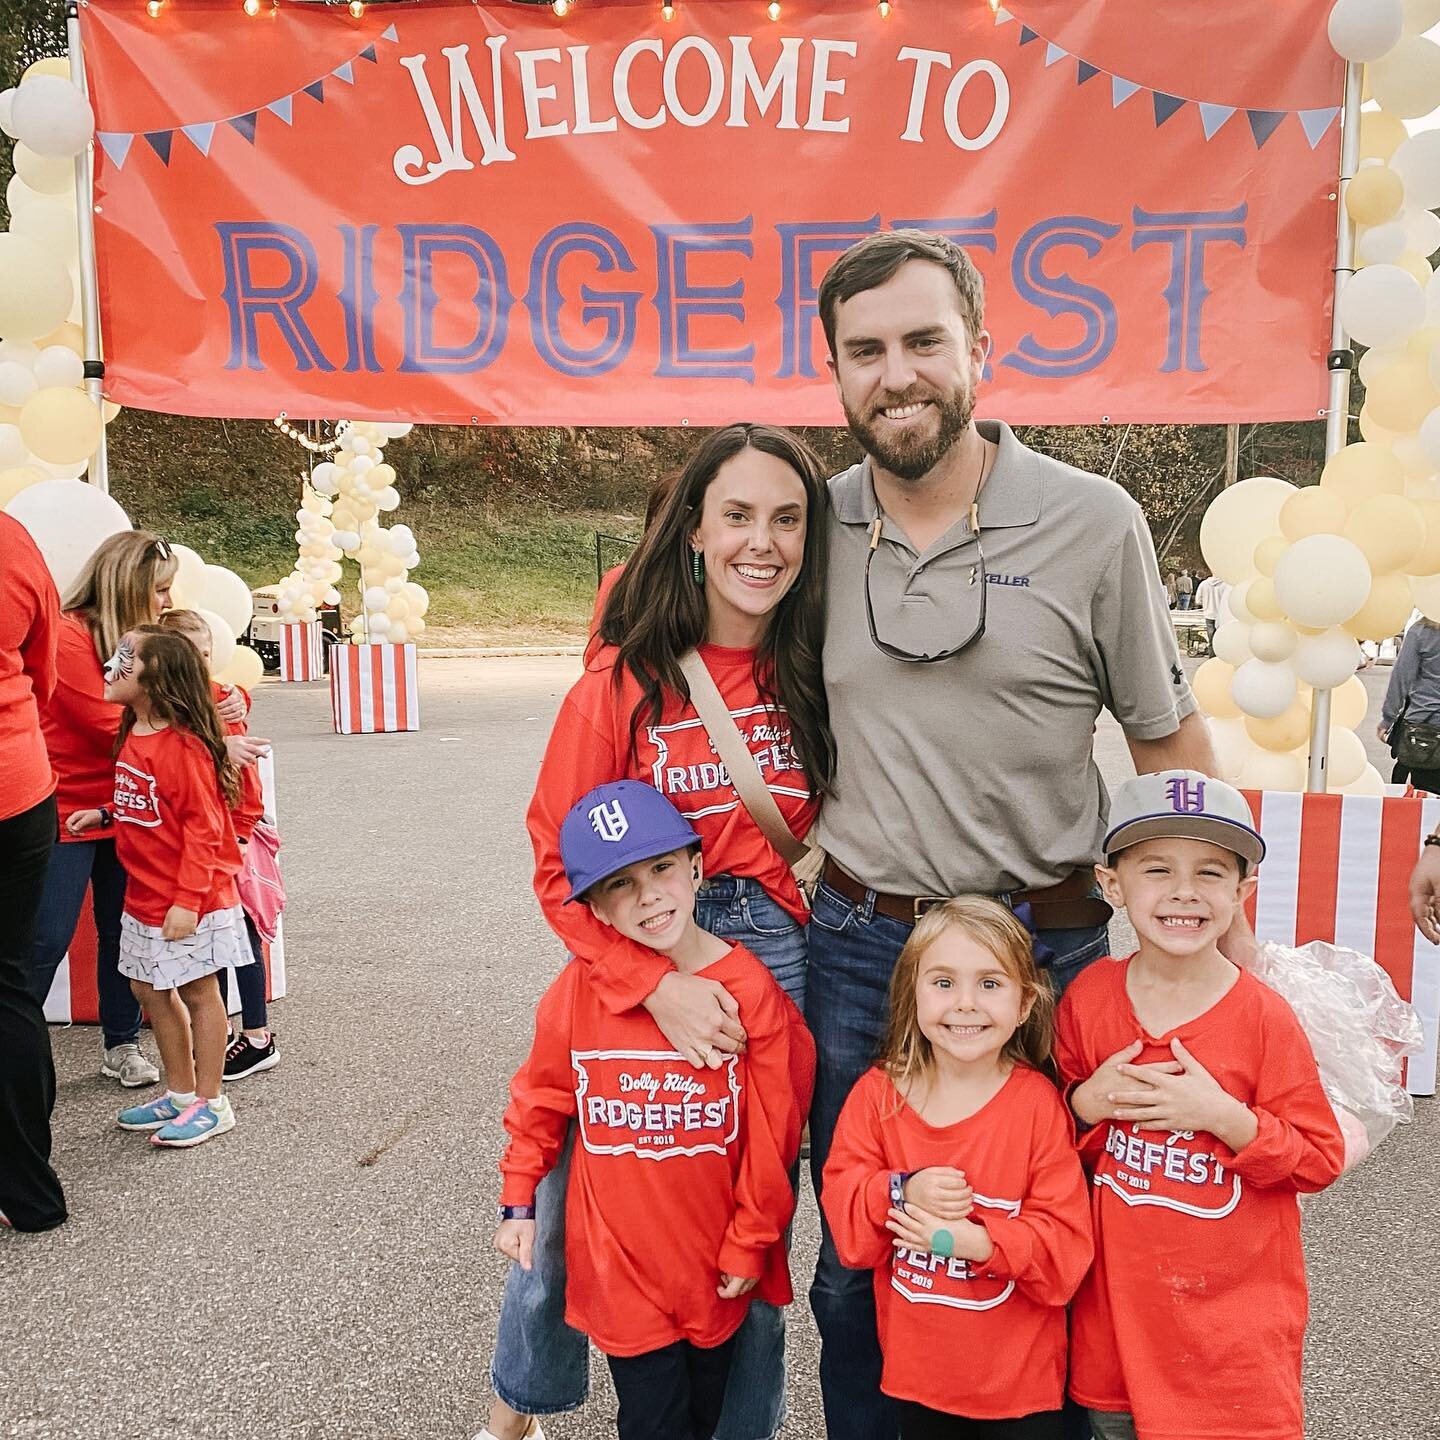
(697, 566)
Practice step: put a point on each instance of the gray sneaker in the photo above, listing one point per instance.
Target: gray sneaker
(126, 1064)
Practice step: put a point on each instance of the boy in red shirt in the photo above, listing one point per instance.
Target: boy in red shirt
(1203, 1119)
(680, 1187)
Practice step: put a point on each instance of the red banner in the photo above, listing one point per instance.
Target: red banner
(487, 213)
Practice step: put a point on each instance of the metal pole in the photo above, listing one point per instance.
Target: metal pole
(89, 280)
(1341, 364)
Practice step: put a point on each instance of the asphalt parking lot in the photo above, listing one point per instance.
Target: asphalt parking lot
(324, 1270)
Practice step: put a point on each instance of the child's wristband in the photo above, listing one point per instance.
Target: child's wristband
(897, 1187)
(517, 1212)
(106, 818)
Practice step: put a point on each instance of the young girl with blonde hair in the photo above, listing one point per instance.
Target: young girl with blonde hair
(953, 1174)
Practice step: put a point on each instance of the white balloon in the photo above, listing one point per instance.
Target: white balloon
(1236, 601)
(73, 471)
(17, 383)
(222, 638)
(7, 99)
(19, 352)
(396, 430)
(1236, 521)
(1231, 745)
(1232, 643)
(52, 116)
(1322, 580)
(379, 623)
(225, 593)
(12, 448)
(67, 519)
(1264, 690)
(58, 365)
(49, 223)
(1272, 640)
(1365, 30)
(1422, 232)
(1417, 162)
(1371, 782)
(1327, 660)
(375, 598)
(1382, 245)
(1382, 305)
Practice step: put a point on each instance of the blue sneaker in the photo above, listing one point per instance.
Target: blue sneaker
(196, 1124)
(150, 1116)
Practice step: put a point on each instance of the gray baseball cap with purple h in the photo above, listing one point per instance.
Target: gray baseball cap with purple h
(1183, 805)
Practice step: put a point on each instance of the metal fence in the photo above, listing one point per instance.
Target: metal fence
(611, 550)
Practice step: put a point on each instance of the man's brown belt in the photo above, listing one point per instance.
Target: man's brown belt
(1069, 904)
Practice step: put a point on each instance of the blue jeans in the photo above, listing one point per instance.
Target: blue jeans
(250, 982)
(73, 865)
(541, 1366)
(852, 953)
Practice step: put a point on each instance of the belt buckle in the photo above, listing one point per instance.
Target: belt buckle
(922, 904)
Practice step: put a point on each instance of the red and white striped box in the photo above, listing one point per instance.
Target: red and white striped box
(1337, 868)
(374, 689)
(302, 652)
(74, 998)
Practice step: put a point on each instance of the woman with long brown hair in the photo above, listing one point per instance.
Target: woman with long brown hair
(731, 568)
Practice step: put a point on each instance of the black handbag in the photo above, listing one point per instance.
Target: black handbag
(1417, 747)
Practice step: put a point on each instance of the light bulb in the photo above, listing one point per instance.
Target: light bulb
(994, 5)
(667, 12)
(773, 9)
(152, 9)
(252, 7)
(560, 7)
(884, 9)
(357, 8)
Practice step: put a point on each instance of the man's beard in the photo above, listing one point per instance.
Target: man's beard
(912, 457)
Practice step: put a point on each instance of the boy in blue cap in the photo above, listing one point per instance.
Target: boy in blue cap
(679, 1190)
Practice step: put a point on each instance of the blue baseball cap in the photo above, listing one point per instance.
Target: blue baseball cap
(614, 826)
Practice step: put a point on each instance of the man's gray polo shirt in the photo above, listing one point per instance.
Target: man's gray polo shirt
(976, 774)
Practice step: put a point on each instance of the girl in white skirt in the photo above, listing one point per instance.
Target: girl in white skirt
(182, 923)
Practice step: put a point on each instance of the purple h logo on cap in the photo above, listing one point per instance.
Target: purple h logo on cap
(1187, 797)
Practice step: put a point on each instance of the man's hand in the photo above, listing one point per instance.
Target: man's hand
(1094, 1099)
(232, 708)
(246, 749)
(1425, 893)
(1238, 944)
(915, 1229)
(698, 1017)
(516, 1238)
(1192, 1100)
(179, 923)
(83, 820)
(940, 1190)
(732, 1287)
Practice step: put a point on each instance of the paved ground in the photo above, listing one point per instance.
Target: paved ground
(324, 1271)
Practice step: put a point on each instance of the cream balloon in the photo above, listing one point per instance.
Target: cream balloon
(1386, 611)
(1272, 640)
(1286, 731)
(44, 174)
(46, 65)
(222, 639)
(189, 579)
(1345, 759)
(1237, 520)
(1371, 782)
(1359, 471)
(49, 223)
(61, 425)
(1374, 195)
(1211, 686)
(35, 289)
(1372, 431)
(1388, 530)
(67, 519)
(1382, 305)
(1328, 659)
(1426, 560)
(227, 595)
(1364, 30)
(1426, 593)
(1349, 704)
(15, 479)
(1231, 745)
(1419, 267)
(1406, 81)
(1260, 599)
(1272, 770)
(1402, 396)
(246, 669)
(1268, 553)
(1235, 600)
(1381, 135)
(1322, 580)
(1231, 643)
(1420, 16)
(1262, 689)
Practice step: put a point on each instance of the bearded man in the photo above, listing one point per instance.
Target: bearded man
(985, 603)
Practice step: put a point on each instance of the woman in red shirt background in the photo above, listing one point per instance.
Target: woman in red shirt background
(732, 565)
(30, 1194)
(125, 583)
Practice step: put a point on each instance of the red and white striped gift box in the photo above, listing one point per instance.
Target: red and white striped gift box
(1337, 868)
(74, 998)
(374, 689)
(302, 652)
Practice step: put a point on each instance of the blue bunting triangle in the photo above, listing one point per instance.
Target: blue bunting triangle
(1165, 106)
(1120, 91)
(1053, 53)
(1084, 71)
(1212, 117)
(283, 107)
(344, 72)
(159, 141)
(368, 53)
(317, 89)
(1263, 124)
(1027, 35)
(245, 124)
(388, 33)
(1003, 16)
(116, 146)
(200, 135)
(1316, 122)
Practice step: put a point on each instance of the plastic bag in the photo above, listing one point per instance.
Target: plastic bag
(1359, 1029)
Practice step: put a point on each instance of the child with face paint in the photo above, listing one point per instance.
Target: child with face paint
(253, 1050)
(182, 925)
(953, 1175)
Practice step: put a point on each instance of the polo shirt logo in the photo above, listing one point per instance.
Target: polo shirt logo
(1022, 581)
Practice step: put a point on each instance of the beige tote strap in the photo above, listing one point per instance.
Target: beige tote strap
(730, 746)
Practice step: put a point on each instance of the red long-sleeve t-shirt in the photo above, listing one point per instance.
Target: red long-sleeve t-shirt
(983, 1340)
(245, 814)
(80, 727)
(1193, 1316)
(173, 831)
(678, 1173)
(29, 624)
(590, 745)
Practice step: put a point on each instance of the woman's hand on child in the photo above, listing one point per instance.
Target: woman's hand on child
(698, 1017)
(232, 707)
(1095, 1099)
(1193, 1100)
(83, 820)
(179, 923)
(516, 1238)
(732, 1287)
(940, 1190)
(246, 749)
(917, 1229)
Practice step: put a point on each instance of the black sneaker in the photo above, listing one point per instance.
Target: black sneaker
(246, 1058)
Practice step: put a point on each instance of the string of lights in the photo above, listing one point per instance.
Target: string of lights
(315, 447)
